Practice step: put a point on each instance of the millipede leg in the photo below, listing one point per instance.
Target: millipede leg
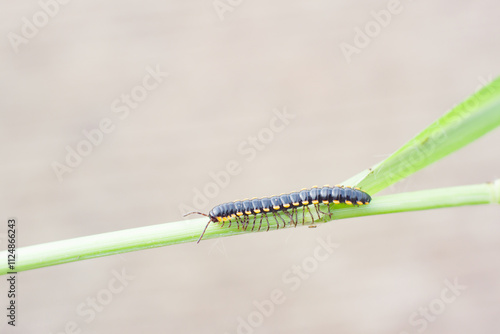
(253, 225)
(296, 212)
(277, 221)
(284, 221)
(260, 223)
(326, 213)
(290, 216)
(268, 226)
(310, 213)
(294, 221)
(246, 221)
(316, 206)
(239, 221)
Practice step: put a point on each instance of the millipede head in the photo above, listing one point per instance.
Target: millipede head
(212, 219)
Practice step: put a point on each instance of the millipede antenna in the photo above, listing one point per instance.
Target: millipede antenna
(201, 236)
(196, 213)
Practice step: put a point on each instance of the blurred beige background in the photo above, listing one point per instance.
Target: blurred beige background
(229, 70)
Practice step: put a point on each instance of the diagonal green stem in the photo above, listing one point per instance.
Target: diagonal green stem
(465, 123)
(93, 246)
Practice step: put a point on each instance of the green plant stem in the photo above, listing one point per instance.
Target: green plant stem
(93, 246)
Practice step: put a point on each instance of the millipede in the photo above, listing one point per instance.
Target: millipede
(241, 211)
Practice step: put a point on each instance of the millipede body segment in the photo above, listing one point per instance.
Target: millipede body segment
(241, 211)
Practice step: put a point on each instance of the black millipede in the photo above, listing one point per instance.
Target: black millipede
(241, 211)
